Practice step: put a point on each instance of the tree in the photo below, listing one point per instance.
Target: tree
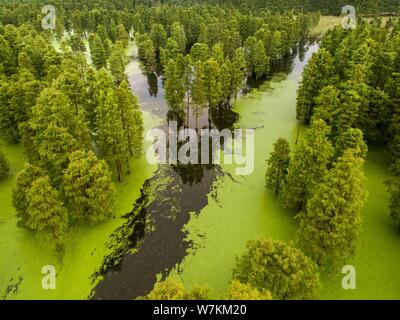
(212, 84)
(53, 131)
(121, 35)
(199, 52)
(184, 69)
(6, 56)
(316, 75)
(173, 289)
(158, 36)
(46, 215)
(238, 72)
(258, 62)
(132, 120)
(244, 291)
(52, 146)
(71, 84)
(147, 54)
(394, 191)
(104, 37)
(38, 206)
(99, 55)
(179, 36)
(173, 86)
(110, 132)
(87, 187)
(330, 225)
(198, 90)
(279, 268)
(16, 101)
(308, 166)
(117, 62)
(76, 43)
(351, 139)
(25, 179)
(278, 165)
(4, 166)
(170, 52)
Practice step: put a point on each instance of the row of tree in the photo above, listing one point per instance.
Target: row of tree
(88, 14)
(353, 83)
(347, 96)
(206, 60)
(69, 117)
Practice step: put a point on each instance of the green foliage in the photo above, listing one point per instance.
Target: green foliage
(158, 36)
(212, 82)
(24, 181)
(110, 135)
(257, 60)
(351, 139)
(331, 223)
(98, 52)
(53, 131)
(76, 43)
(173, 289)
(394, 190)
(243, 291)
(316, 75)
(200, 52)
(279, 268)
(308, 166)
(147, 53)
(4, 166)
(173, 86)
(87, 187)
(46, 215)
(38, 206)
(132, 120)
(179, 36)
(117, 62)
(278, 165)
(17, 98)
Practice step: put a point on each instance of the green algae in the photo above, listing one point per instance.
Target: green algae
(245, 210)
(23, 256)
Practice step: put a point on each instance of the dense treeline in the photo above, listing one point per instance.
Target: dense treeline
(349, 95)
(205, 54)
(78, 124)
(331, 7)
(17, 11)
(361, 90)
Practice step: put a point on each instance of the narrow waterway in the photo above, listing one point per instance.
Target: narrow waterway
(155, 238)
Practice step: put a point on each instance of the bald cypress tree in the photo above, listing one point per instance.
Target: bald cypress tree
(111, 137)
(394, 191)
(278, 165)
(99, 55)
(47, 216)
(131, 117)
(308, 166)
(87, 187)
(4, 166)
(330, 225)
(316, 75)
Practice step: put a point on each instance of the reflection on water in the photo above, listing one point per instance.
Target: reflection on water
(153, 230)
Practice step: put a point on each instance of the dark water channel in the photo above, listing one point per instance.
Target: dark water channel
(151, 242)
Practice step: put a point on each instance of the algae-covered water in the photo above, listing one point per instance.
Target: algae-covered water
(192, 221)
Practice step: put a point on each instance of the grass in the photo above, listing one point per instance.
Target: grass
(326, 23)
(23, 256)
